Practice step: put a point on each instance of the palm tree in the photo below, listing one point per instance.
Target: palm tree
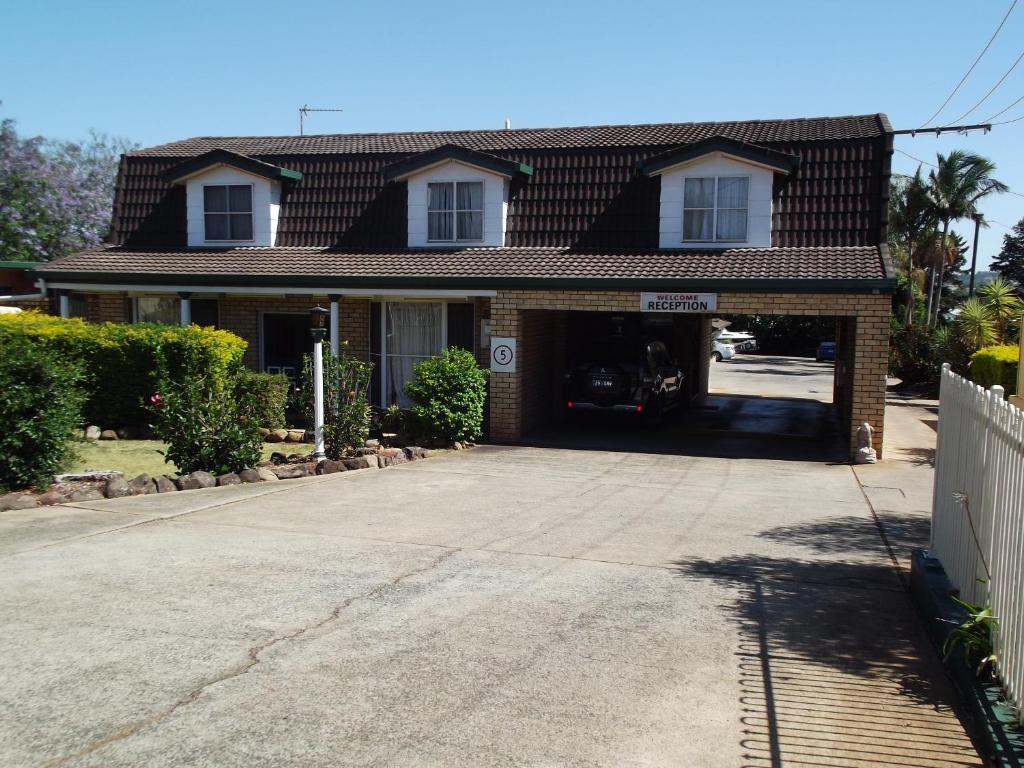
(1000, 298)
(974, 324)
(912, 219)
(959, 181)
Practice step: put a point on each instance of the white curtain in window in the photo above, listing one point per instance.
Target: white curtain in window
(732, 208)
(699, 193)
(698, 208)
(413, 334)
(158, 309)
(470, 203)
(440, 216)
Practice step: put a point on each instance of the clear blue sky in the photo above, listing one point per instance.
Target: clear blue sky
(155, 72)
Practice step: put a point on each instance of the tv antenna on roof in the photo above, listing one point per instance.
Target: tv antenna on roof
(304, 110)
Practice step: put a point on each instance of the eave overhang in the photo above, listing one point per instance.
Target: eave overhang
(423, 161)
(217, 157)
(780, 162)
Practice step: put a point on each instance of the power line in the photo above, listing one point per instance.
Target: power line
(1007, 109)
(1007, 122)
(968, 74)
(992, 89)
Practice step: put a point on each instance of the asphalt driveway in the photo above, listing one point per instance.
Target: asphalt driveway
(502, 606)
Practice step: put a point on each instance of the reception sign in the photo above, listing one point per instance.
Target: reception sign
(678, 302)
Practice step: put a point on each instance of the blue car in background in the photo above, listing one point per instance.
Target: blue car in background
(826, 351)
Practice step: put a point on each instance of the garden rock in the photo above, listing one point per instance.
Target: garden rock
(330, 466)
(52, 496)
(457, 446)
(143, 485)
(249, 476)
(289, 471)
(365, 452)
(127, 433)
(164, 484)
(92, 432)
(266, 475)
(278, 458)
(372, 443)
(391, 456)
(276, 436)
(17, 501)
(264, 432)
(87, 475)
(295, 436)
(108, 434)
(116, 488)
(86, 494)
(360, 462)
(414, 452)
(195, 480)
(229, 478)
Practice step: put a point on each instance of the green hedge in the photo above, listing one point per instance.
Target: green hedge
(996, 365)
(40, 405)
(448, 394)
(267, 394)
(121, 361)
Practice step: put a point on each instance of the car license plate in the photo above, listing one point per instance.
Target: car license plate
(601, 383)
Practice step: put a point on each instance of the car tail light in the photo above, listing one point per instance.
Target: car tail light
(569, 404)
(639, 409)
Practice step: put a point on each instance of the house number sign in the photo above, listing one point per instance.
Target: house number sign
(503, 354)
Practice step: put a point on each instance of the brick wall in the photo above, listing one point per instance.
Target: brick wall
(866, 328)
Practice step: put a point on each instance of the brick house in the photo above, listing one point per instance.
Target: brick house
(417, 241)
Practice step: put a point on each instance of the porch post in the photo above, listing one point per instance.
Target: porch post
(65, 303)
(186, 308)
(335, 324)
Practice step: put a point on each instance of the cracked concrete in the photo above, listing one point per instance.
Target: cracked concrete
(487, 608)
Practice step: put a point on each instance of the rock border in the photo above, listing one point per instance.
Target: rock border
(94, 485)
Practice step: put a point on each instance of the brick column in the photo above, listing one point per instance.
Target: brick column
(870, 368)
(506, 388)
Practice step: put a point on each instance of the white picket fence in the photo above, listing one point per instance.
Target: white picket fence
(979, 464)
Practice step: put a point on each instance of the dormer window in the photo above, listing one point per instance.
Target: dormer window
(455, 211)
(227, 212)
(715, 208)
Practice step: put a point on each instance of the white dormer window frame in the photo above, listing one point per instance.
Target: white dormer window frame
(716, 207)
(455, 212)
(229, 213)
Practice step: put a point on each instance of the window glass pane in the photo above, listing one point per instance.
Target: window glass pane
(439, 226)
(732, 224)
(158, 309)
(217, 226)
(699, 193)
(697, 225)
(471, 225)
(204, 312)
(471, 196)
(240, 198)
(413, 335)
(440, 197)
(241, 226)
(215, 199)
(732, 192)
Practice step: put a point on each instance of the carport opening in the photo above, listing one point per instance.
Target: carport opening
(588, 379)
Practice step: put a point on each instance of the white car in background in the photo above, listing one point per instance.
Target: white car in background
(721, 351)
(743, 342)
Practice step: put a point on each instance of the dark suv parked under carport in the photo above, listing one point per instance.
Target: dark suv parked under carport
(630, 375)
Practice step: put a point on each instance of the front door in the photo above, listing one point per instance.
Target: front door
(286, 339)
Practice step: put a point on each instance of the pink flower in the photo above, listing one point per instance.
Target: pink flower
(157, 401)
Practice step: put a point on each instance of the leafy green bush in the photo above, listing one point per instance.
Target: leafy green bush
(346, 409)
(448, 394)
(267, 394)
(121, 361)
(40, 406)
(206, 424)
(996, 365)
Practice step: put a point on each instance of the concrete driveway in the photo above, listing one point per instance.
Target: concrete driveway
(502, 606)
(773, 376)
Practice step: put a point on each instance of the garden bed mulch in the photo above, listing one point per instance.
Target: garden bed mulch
(93, 485)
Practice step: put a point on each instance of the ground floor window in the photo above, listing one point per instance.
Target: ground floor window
(404, 333)
(167, 310)
(286, 339)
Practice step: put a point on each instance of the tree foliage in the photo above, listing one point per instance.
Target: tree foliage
(55, 197)
(1010, 261)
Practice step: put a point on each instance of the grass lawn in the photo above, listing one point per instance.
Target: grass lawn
(133, 457)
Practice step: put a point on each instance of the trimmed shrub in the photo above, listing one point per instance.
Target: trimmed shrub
(206, 424)
(267, 395)
(346, 410)
(121, 361)
(448, 394)
(40, 407)
(996, 365)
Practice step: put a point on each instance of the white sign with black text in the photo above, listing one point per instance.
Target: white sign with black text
(503, 354)
(678, 302)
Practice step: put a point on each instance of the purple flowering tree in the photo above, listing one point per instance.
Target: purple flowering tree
(55, 197)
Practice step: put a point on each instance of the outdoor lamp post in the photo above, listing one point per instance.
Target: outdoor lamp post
(317, 318)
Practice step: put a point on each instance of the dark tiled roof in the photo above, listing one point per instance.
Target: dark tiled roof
(314, 266)
(656, 134)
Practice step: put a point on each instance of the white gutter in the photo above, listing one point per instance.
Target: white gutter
(22, 297)
(273, 290)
